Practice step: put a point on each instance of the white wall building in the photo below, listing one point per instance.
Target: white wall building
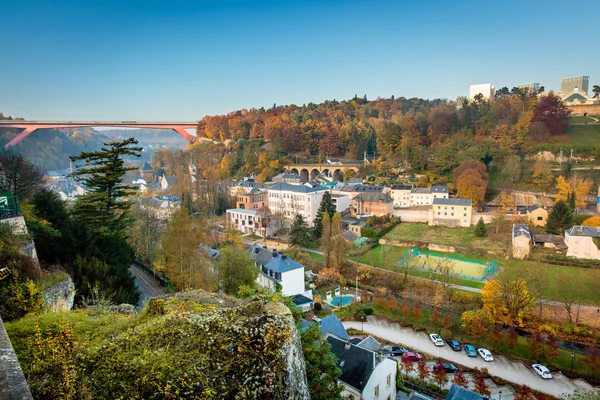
(365, 374)
(276, 268)
(583, 242)
(401, 195)
(341, 201)
(425, 196)
(290, 200)
(486, 89)
(249, 221)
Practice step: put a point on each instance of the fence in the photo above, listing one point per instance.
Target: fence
(9, 205)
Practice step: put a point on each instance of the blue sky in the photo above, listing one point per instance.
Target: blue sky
(181, 60)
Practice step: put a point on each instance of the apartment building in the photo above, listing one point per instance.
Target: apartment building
(451, 212)
(250, 221)
(290, 200)
(583, 242)
(401, 195)
(255, 199)
(425, 196)
(372, 203)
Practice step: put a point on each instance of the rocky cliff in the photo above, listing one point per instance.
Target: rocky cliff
(193, 345)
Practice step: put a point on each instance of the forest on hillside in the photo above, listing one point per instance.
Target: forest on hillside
(423, 136)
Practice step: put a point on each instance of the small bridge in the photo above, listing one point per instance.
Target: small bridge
(311, 171)
(30, 126)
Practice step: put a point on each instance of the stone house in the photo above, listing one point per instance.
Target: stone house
(537, 215)
(521, 241)
(583, 242)
(378, 204)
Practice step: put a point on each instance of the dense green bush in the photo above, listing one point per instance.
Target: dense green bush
(19, 298)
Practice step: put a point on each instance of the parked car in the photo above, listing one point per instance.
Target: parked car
(448, 368)
(436, 339)
(396, 351)
(485, 354)
(470, 350)
(542, 371)
(454, 344)
(411, 357)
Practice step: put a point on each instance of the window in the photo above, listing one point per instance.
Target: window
(389, 380)
(465, 214)
(445, 213)
(540, 218)
(452, 214)
(438, 213)
(377, 391)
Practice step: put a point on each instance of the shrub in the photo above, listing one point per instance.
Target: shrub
(19, 299)
(368, 311)
(318, 306)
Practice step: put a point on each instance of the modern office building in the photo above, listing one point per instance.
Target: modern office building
(486, 89)
(568, 85)
(530, 87)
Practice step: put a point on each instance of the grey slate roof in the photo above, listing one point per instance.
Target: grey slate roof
(273, 260)
(421, 190)
(402, 187)
(453, 202)
(295, 188)
(357, 364)
(370, 343)
(332, 325)
(533, 207)
(580, 230)
(460, 393)
(146, 167)
(521, 230)
(368, 188)
(439, 189)
(373, 198)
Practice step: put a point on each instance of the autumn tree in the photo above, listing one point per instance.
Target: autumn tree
(481, 386)
(179, 256)
(568, 290)
(470, 185)
(423, 370)
(523, 393)
(593, 221)
(439, 374)
(144, 235)
(535, 346)
(471, 164)
(499, 221)
(20, 176)
(507, 299)
(460, 380)
(234, 269)
(447, 322)
(592, 361)
(577, 187)
(338, 242)
(326, 240)
(542, 176)
(551, 111)
(560, 218)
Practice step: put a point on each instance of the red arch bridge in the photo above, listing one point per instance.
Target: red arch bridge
(30, 126)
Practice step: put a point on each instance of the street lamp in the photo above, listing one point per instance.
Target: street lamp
(500, 395)
(572, 359)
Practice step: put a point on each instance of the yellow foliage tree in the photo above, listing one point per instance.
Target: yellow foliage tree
(261, 178)
(580, 186)
(507, 201)
(594, 221)
(507, 300)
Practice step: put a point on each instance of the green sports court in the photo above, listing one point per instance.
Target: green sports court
(463, 267)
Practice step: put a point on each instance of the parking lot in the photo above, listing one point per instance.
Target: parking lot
(515, 372)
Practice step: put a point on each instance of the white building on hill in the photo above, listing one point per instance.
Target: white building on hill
(290, 200)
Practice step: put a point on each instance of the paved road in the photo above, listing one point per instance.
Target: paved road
(146, 284)
(515, 372)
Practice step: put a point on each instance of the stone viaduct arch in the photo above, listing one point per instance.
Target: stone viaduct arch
(311, 171)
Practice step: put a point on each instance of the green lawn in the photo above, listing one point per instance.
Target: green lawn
(459, 237)
(585, 279)
(581, 134)
(580, 120)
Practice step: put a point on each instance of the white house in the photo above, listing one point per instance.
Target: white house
(277, 268)
(341, 202)
(290, 200)
(365, 374)
(401, 195)
(140, 182)
(583, 242)
(425, 196)
(249, 221)
(168, 182)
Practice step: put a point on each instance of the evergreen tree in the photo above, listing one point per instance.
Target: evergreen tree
(560, 218)
(299, 232)
(102, 207)
(326, 206)
(480, 228)
(571, 200)
(235, 269)
(321, 366)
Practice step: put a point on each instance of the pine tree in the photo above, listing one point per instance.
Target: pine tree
(299, 232)
(326, 206)
(103, 207)
(480, 228)
(560, 218)
(571, 200)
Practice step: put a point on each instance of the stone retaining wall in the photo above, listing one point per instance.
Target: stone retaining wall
(13, 385)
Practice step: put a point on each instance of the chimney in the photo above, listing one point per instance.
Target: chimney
(283, 256)
(257, 250)
(274, 252)
(348, 345)
(264, 247)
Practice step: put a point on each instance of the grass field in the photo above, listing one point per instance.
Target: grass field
(461, 267)
(580, 120)
(581, 134)
(458, 237)
(585, 279)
